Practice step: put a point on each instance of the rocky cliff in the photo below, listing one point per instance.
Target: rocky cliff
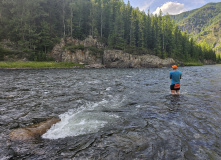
(108, 58)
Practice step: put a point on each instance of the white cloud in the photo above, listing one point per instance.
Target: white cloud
(171, 8)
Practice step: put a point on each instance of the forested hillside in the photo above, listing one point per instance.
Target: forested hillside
(37, 25)
(203, 24)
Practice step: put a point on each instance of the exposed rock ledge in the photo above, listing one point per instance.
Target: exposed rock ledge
(119, 59)
(109, 59)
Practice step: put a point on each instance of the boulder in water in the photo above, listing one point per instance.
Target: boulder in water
(33, 131)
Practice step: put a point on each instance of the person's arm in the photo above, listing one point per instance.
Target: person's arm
(170, 75)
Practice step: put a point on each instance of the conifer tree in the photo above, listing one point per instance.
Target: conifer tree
(132, 31)
(119, 31)
(148, 33)
(36, 25)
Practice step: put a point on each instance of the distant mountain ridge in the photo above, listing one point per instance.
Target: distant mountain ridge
(203, 24)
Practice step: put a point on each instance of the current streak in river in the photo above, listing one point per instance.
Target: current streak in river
(113, 113)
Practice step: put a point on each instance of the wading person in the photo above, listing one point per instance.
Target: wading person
(175, 77)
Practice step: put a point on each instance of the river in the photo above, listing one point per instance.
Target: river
(112, 113)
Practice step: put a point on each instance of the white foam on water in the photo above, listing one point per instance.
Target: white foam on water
(94, 82)
(89, 118)
(108, 89)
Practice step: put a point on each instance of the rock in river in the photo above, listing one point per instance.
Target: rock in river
(33, 131)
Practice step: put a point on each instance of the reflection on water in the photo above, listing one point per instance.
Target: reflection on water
(113, 113)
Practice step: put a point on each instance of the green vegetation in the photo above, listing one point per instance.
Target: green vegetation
(94, 51)
(5, 52)
(36, 26)
(193, 63)
(218, 59)
(2, 53)
(39, 57)
(21, 64)
(73, 48)
(203, 24)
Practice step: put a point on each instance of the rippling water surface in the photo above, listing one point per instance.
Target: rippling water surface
(113, 113)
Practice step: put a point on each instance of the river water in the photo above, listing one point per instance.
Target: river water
(113, 113)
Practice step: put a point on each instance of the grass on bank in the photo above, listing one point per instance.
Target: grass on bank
(32, 64)
(193, 64)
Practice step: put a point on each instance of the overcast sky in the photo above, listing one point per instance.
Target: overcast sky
(171, 6)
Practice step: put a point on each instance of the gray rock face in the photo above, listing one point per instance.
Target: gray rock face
(110, 58)
(119, 59)
(81, 57)
(60, 54)
(88, 42)
(58, 51)
(209, 62)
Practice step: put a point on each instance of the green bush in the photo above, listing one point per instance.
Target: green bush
(138, 51)
(96, 51)
(11, 54)
(193, 63)
(1, 57)
(40, 57)
(3, 52)
(74, 48)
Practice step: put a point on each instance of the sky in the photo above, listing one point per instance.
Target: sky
(172, 7)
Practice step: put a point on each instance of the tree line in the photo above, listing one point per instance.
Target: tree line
(37, 25)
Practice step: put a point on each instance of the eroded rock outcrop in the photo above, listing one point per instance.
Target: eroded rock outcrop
(80, 57)
(60, 54)
(88, 42)
(109, 58)
(33, 131)
(120, 59)
(209, 62)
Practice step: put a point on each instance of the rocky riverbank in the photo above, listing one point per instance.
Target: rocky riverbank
(120, 59)
(90, 53)
(108, 58)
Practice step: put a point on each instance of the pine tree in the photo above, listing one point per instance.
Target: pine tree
(36, 25)
(148, 33)
(127, 22)
(132, 31)
(119, 31)
(141, 25)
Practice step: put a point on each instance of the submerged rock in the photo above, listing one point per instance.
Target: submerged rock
(33, 131)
